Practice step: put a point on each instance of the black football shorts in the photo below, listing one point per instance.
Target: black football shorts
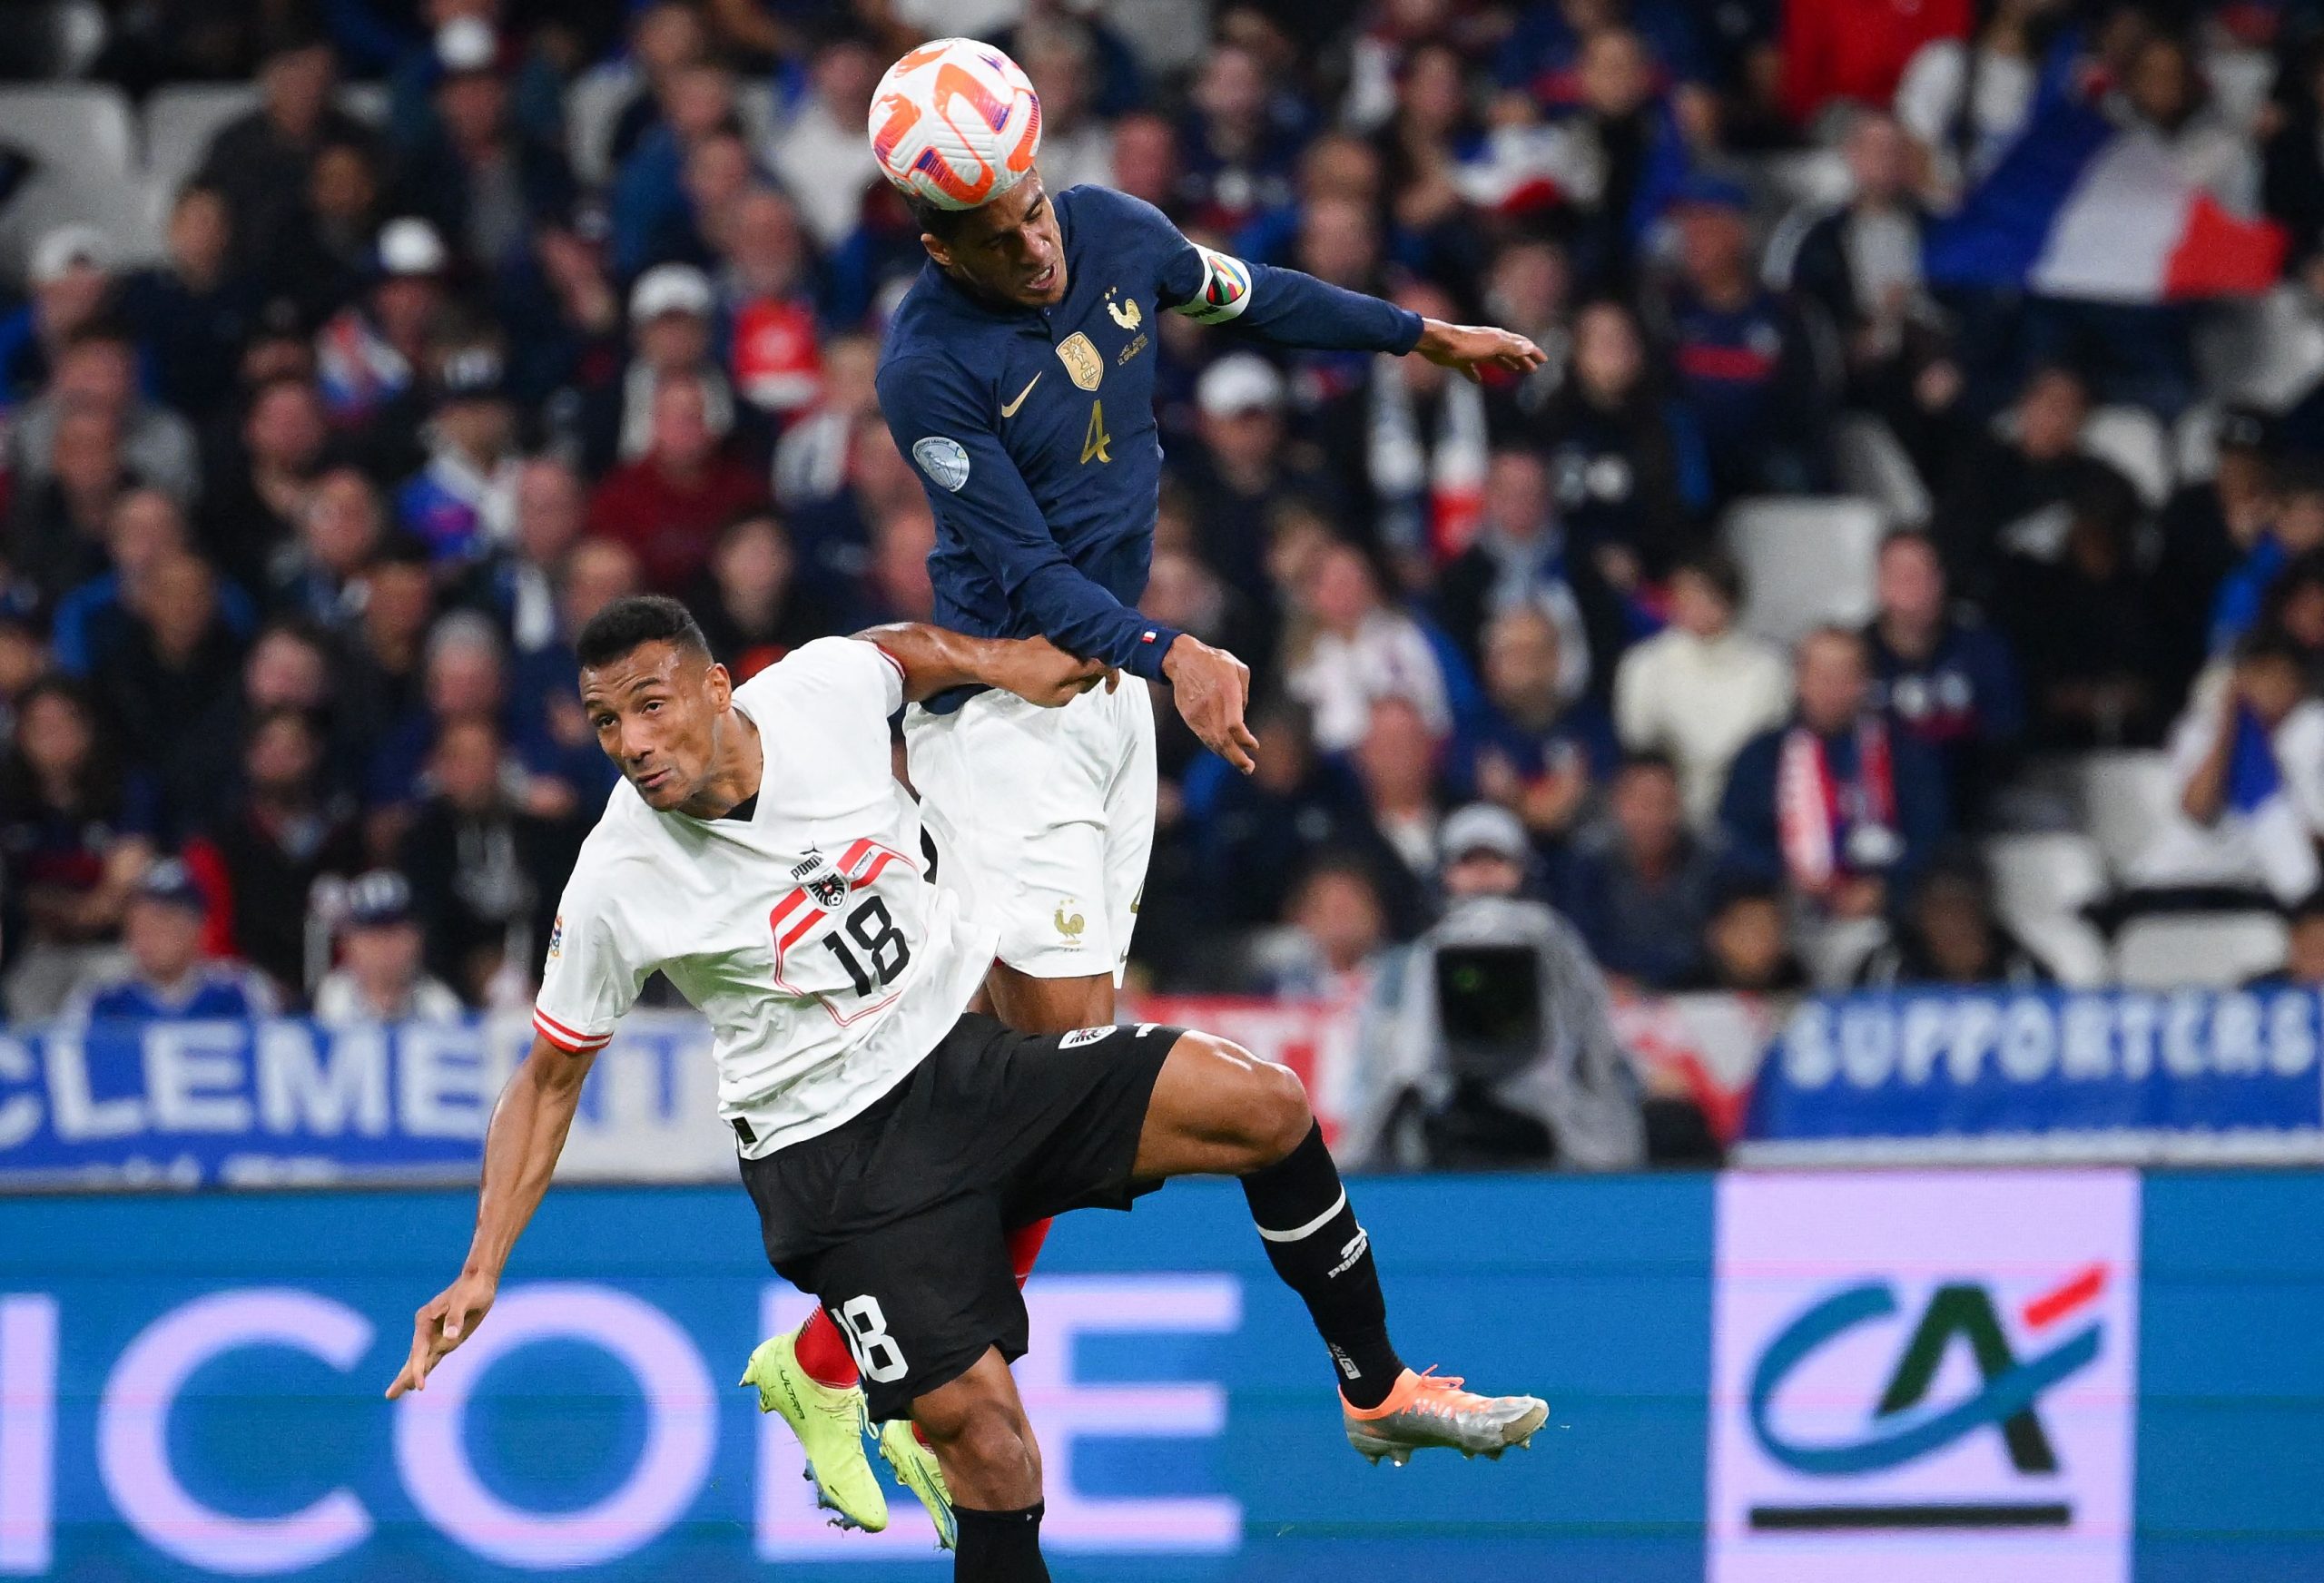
(897, 1220)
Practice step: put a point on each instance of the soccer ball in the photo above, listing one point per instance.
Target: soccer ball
(955, 122)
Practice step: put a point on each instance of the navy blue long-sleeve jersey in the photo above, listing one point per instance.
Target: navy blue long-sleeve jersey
(1033, 432)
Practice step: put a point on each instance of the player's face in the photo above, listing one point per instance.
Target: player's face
(657, 712)
(1011, 247)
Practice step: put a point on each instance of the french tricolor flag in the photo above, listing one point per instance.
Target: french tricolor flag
(2082, 208)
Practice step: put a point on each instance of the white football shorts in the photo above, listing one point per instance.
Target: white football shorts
(1043, 819)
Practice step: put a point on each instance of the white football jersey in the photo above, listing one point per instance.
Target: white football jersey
(809, 934)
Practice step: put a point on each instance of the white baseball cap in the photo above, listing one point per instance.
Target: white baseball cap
(410, 246)
(466, 44)
(669, 289)
(1482, 827)
(1239, 382)
(66, 248)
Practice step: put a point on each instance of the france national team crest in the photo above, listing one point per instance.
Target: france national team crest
(943, 459)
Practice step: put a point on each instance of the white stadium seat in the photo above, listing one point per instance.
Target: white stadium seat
(2127, 797)
(1872, 463)
(2197, 950)
(2052, 874)
(181, 120)
(1807, 560)
(2073, 950)
(2134, 440)
(592, 106)
(82, 137)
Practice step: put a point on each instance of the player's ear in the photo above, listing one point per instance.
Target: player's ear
(935, 249)
(721, 683)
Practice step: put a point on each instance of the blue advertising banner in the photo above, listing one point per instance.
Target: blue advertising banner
(1983, 1075)
(233, 1103)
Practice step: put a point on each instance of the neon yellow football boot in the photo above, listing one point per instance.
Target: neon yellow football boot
(916, 1469)
(830, 1425)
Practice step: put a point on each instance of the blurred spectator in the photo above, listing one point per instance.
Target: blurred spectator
(1489, 1043)
(668, 504)
(2303, 965)
(1527, 288)
(1522, 555)
(287, 670)
(820, 152)
(475, 173)
(341, 527)
(517, 582)
(485, 874)
(288, 827)
(1251, 834)
(70, 276)
(463, 502)
(96, 371)
(2164, 99)
(1747, 945)
(260, 161)
(76, 828)
(1745, 365)
(1640, 885)
(1357, 650)
(1536, 750)
(1842, 807)
(381, 977)
(1859, 266)
(770, 305)
(2082, 626)
(143, 528)
(1334, 930)
(1623, 155)
(1237, 145)
(1943, 676)
(331, 254)
(2294, 528)
(2292, 164)
(1395, 766)
(2248, 761)
(57, 523)
(1701, 689)
(251, 513)
(750, 604)
(1239, 470)
(670, 310)
(372, 350)
(648, 201)
(1855, 50)
(1412, 440)
(383, 664)
(1949, 934)
(178, 654)
(165, 977)
(2211, 524)
(191, 312)
(1146, 161)
(1627, 464)
(664, 37)
(1964, 101)
(1060, 58)
(2007, 484)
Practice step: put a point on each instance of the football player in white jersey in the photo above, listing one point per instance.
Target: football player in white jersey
(760, 853)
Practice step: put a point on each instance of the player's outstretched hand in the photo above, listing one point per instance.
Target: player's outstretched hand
(443, 1322)
(1040, 672)
(1213, 688)
(1474, 347)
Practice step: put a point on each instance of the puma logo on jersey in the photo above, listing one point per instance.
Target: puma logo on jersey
(1008, 409)
(1126, 318)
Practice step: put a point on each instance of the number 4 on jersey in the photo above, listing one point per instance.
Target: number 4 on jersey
(1094, 442)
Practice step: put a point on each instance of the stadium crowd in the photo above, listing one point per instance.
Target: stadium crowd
(302, 514)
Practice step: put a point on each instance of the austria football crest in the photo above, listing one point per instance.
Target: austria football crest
(824, 884)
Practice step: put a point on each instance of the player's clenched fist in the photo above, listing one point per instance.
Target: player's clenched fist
(443, 1322)
(1040, 672)
(1212, 689)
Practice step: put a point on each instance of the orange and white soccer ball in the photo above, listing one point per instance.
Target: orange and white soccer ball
(955, 122)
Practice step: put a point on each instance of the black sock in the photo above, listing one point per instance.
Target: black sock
(1315, 1246)
(1000, 1546)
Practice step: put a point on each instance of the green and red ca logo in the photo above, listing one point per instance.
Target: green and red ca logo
(2062, 1338)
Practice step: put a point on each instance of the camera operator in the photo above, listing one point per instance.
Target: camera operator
(1487, 1043)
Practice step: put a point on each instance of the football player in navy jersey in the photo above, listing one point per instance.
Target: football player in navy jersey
(1017, 378)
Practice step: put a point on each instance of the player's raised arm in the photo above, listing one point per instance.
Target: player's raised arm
(520, 1150)
(933, 660)
(1293, 309)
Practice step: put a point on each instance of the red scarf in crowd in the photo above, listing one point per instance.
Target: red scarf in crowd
(1826, 828)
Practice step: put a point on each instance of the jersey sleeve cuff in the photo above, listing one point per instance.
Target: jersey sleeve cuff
(1408, 337)
(1154, 641)
(572, 1041)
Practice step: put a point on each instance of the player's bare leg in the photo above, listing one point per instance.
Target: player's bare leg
(1218, 1110)
(978, 1428)
(1031, 1005)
